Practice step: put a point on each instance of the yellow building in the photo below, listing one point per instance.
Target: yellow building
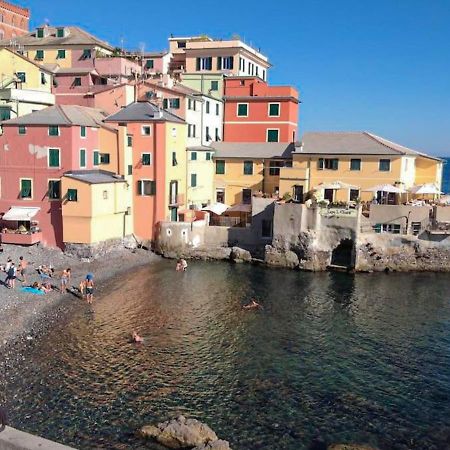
(361, 160)
(200, 176)
(25, 86)
(95, 206)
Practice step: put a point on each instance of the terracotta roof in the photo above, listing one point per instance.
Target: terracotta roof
(353, 143)
(143, 112)
(259, 150)
(75, 36)
(64, 115)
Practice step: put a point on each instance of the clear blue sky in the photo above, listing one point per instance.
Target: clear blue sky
(381, 66)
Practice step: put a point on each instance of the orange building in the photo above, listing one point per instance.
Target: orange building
(13, 20)
(257, 112)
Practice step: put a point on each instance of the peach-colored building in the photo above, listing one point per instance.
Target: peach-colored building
(257, 112)
(201, 54)
(13, 20)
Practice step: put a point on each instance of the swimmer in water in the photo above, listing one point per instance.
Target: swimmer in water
(253, 305)
(136, 338)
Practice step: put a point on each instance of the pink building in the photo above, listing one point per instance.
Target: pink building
(35, 151)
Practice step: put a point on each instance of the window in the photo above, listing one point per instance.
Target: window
(60, 32)
(77, 81)
(274, 168)
(264, 75)
(387, 228)
(385, 165)
(354, 195)
(22, 129)
(61, 54)
(242, 109)
(217, 109)
(43, 78)
(274, 110)
(189, 103)
(207, 136)
(54, 189)
(5, 113)
(214, 85)
(174, 132)
(130, 170)
(242, 64)
(246, 196)
(146, 131)
(192, 104)
(193, 156)
(104, 158)
(191, 130)
(225, 63)
(248, 167)
(173, 103)
(72, 195)
(26, 190)
(130, 141)
(220, 167)
(193, 180)
(22, 76)
(204, 63)
(328, 163)
(217, 137)
(181, 44)
(82, 157)
(105, 195)
(40, 55)
(207, 106)
(146, 187)
(40, 33)
(355, 164)
(146, 159)
(266, 228)
(83, 132)
(96, 157)
(174, 159)
(272, 135)
(208, 156)
(53, 130)
(53, 157)
(150, 64)
(87, 54)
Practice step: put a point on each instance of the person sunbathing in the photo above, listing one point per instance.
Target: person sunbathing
(136, 338)
(252, 305)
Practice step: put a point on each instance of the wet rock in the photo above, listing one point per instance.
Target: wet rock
(182, 433)
(280, 258)
(216, 445)
(350, 447)
(239, 255)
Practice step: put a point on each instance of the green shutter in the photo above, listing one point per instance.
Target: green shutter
(72, 195)
(40, 32)
(248, 167)
(146, 159)
(165, 103)
(220, 167)
(272, 135)
(53, 130)
(193, 179)
(83, 131)
(96, 158)
(82, 158)
(274, 109)
(5, 114)
(242, 109)
(130, 141)
(40, 54)
(53, 157)
(54, 190)
(193, 156)
(208, 156)
(25, 189)
(22, 129)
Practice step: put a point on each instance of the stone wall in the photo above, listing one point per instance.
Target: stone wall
(97, 250)
(12, 439)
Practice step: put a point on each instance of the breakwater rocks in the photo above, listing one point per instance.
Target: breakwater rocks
(182, 433)
(210, 253)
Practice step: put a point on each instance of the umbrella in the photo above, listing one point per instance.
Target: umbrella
(427, 188)
(336, 185)
(217, 208)
(389, 188)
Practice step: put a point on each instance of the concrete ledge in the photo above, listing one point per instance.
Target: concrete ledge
(12, 439)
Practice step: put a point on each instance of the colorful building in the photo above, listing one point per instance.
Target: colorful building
(257, 112)
(35, 152)
(24, 85)
(14, 20)
(156, 160)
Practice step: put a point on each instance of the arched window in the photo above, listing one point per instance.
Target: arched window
(13, 21)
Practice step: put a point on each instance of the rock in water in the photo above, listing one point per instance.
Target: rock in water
(216, 445)
(182, 433)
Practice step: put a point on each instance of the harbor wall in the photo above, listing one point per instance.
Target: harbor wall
(12, 439)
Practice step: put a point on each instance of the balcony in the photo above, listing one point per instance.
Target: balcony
(21, 238)
(27, 96)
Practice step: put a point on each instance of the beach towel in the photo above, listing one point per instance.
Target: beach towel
(32, 290)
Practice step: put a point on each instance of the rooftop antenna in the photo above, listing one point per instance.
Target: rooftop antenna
(122, 40)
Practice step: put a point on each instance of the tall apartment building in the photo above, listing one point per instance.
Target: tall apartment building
(14, 20)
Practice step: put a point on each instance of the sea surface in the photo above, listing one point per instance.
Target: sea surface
(339, 357)
(446, 176)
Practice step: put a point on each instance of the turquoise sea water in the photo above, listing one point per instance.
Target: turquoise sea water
(342, 358)
(446, 176)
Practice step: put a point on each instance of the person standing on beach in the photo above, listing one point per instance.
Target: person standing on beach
(89, 288)
(65, 278)
(11, 276)
(23, 264)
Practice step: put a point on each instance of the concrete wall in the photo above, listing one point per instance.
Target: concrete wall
(12, 439)
(443, 213)
(397, 214)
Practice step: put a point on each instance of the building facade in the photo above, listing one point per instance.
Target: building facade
(257, 112)
(14, 20)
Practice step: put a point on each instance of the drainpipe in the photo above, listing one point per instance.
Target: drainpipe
(264, 177)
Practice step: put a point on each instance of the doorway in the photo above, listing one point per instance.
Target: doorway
(328, 194)
(343, 254)
(298, 194)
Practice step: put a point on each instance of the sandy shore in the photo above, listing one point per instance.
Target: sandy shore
(21, 313)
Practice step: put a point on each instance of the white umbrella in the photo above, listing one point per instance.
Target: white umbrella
(388, 188)
(427, 188)
(216, 208)
(336, 185)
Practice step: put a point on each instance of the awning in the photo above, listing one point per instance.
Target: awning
(217, 208)
(388, 188)
(427, 188)
(241, 207)
(20, 213)
(336, 185)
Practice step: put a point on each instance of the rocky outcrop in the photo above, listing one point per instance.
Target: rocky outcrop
(94, 251)
(184, 433)
(280, 257)
(239, 255)
(350, 447)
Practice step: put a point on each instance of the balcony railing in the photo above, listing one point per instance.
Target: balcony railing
(21, 239)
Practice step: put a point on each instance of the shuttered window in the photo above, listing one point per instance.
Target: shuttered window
(53, 157)
(26, 188)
